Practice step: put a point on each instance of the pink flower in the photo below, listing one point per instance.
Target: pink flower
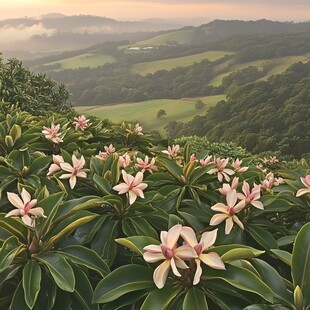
(76, 170)
(145, 165)
(237, 165)
(81, 122)
(108, 151)
(25, 208)
(271, 160)
(193, 158)
(270, 181)
(168, 251)
(206, 161)
(305, 181)
(124, 160)
(52, 133)
(172, 151)
(138, 129)
(251, 196)
(55, 167)
(211, 259)
(133, 186)
(221, 170)
(228, 188)
(228, 212)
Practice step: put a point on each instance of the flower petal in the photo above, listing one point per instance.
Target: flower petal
(208, 238)
(152, 248)
(138, 178)
(72, 181)
(237, 221)
(66, 167)
(231, 198)
(15, 212)
(257, 204)
(15, 200)
(218, 218)
(153, 257)
(198, 272)
(132, 197)
(228, 225)
(161, 273)
(212, 260)
(174, 267)
(185, 252)
(25, 196)
(28, 220)
(220, 207)
(188, 234)
(173, 235)
(38, 212)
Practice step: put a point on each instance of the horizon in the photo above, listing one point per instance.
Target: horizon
(282, 10)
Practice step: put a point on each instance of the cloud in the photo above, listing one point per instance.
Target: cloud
(22, 32)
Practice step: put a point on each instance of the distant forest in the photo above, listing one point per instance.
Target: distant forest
(115, 83)
(272, 115)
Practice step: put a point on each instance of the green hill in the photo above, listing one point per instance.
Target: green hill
(145, 112)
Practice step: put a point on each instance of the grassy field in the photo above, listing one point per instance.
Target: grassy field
(169, 64)
(279, 65)
(84, 60)
(182, 37)
(145, 112)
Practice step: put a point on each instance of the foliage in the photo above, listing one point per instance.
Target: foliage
(35, 93)
(161, 113)
(111, 211)
(265, 115)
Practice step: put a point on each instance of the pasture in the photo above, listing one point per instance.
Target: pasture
(145, 112)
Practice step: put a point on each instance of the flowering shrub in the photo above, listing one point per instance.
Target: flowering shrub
(108, 219)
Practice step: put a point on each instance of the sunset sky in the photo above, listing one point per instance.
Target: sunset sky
(288, 10)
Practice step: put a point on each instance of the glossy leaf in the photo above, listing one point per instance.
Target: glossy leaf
(31, 282)
(263, 237)
(284, 256)
(195, 298)
(301, 262)
(160, 299)
(137, 243)
(86, 257)
(60, 270)
(123, 280)
(240, 253)
(8, 251)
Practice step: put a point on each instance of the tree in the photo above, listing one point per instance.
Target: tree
(161, 113)
(199, 105)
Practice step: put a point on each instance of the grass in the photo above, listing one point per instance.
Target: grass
(84, 60)
(182, 37)
(145, 68)
(278, 65)
(145, 112)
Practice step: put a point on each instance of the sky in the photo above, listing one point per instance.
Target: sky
(282, 10)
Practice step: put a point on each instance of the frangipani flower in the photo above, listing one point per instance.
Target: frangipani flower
(124, 160)
(145, 165)
(52, 133)
(168, 251)
(108, 151)
(138, 129)
(207, 239)
(55, 167)
(251, 196)
(172, 151)
(81, 122)
(306, 182)
(228, 212)
(25, 207)
(76, 170)
(133, 186)
(228, 188)
(237, 165)
(221, 169)
(206, 161)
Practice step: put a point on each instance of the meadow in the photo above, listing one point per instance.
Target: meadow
(145, 68)
(145, 112)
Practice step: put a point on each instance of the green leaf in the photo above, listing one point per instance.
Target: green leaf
(83, 291)
(51, 203)
(240, 253)
(31, 282)
(15, 227)
(301, 262)
(195, 299)
(138, 226)
(60, 270)
(103, 184)
(104, 242)
(240, 278)
(173, 168)
(262, 237)
(160, 299)
(8, 251)
(123, 280)
(137, 243)
(83, 256)
(266, 307)
(284, 256)
(18, 301)
(272, 278)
